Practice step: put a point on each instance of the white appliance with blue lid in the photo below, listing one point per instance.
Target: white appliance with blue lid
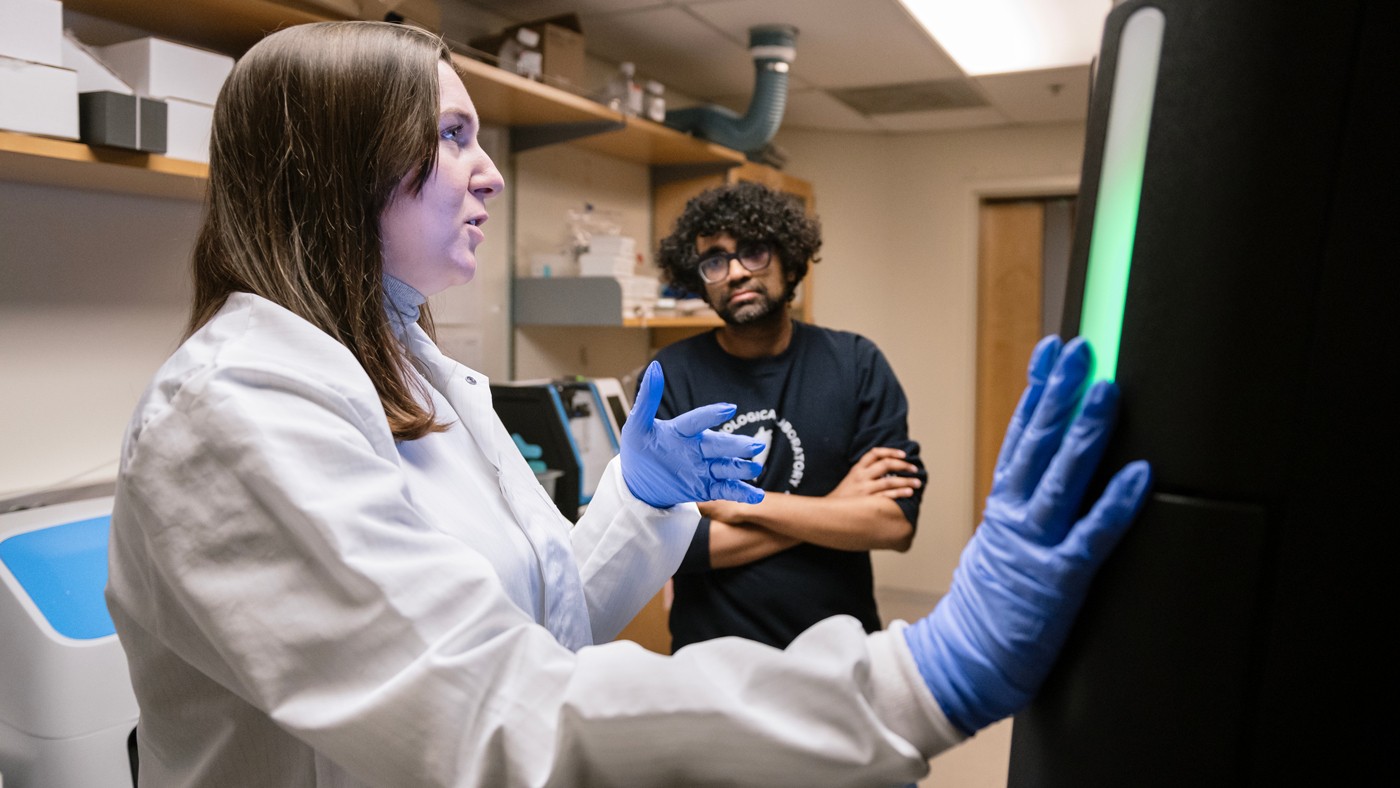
(67, 711)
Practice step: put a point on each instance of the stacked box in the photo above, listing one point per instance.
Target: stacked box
(38, 99)
(600, 264)
(187, 79)
(639, 294)
(32, 31)
(188, 124)
(108, 113)
(622, 245)
(37, 95)
(163, 69)
(121, 120)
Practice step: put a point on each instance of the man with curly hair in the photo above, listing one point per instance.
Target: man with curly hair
(843, 477)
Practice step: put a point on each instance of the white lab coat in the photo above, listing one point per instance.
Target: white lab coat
(305, 602)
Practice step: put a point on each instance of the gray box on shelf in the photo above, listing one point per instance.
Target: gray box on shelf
(108, 118)
(568, 301)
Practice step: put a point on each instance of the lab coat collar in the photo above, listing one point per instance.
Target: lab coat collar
(469, 391)
(565, 612)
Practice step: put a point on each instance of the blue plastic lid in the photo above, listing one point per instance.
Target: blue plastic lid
(63, 568)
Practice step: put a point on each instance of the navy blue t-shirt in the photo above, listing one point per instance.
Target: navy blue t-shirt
(820, 405)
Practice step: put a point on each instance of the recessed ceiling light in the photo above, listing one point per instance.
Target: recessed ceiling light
(1001, 36)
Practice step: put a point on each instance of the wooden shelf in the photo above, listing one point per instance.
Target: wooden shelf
(674, 321)
(228, 26)
(501, 98)
(510, 100)
(28, 159)
(652, 143)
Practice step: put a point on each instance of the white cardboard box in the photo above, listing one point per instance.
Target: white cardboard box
(38, 99)
(596, 264)
(163, 69)
(187, 126)
(32, 30)
(93, 74)
(640, 287)
(613, 245)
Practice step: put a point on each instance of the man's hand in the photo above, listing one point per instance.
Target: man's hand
(876, 473)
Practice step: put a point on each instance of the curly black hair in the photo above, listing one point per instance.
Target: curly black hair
(751, 213)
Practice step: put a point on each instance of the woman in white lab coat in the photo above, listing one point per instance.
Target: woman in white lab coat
(330, 565)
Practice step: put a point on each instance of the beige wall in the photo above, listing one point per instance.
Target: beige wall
(93, 296)
(899, 266)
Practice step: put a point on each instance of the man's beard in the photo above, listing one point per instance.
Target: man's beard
(762, 308)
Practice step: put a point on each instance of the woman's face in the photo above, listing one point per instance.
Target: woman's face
(430, 239)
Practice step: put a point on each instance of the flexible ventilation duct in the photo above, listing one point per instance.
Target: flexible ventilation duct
(773, 48)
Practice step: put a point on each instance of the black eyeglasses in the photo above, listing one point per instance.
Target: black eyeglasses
(715, 267)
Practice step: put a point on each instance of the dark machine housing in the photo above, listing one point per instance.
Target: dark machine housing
(1235, 637)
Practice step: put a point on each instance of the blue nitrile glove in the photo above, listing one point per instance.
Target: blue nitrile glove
(988, 645)
(678, 460)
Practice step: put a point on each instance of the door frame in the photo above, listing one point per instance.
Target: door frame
(975, 192)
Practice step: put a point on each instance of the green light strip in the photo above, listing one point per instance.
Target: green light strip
(1120, 188)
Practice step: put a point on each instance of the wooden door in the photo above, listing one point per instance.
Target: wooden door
(1023, 257)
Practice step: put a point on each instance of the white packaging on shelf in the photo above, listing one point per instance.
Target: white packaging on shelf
(640, 287)
(613, 245)
(93, 74)
(164, 69)
(38, 99)
(187, 130)
(32, 30)
(639, 294)
(596, 264)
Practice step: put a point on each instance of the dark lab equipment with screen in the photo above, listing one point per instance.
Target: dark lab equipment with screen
(1235, 265)
(536, 413)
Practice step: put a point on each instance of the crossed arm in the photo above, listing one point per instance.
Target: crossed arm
(860, 514)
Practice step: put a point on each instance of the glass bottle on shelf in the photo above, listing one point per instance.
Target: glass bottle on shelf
(654, 101)
(623, 94)
(520, 54)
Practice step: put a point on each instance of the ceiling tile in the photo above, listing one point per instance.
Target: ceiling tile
(840, 43)
(816, 109)
(941, 94)
(698, 49)
(942, 120)
(1057, 94)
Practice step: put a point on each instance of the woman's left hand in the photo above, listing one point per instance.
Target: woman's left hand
(678, 460)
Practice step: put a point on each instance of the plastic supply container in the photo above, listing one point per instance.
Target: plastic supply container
(623, 93)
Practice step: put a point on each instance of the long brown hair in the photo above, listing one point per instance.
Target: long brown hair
(314, 132)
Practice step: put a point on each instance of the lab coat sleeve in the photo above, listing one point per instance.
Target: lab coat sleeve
(626, 550)
(291, 568)
(838, 707)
